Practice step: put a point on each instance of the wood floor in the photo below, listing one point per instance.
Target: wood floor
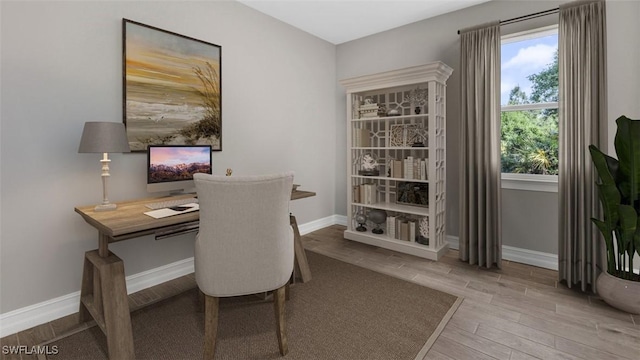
(519, 312)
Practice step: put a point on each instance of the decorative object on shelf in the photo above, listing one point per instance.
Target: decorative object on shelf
(105, 138)
(382, 110)
(412, 193)
(229, 172)
(403, 135)
(369, 165)
(423, 235)
(368, 110)
(420, 138)
(361, 219)
(172, 88)
(377, 217)
(417, 97)
(393, 112)
(619, 285)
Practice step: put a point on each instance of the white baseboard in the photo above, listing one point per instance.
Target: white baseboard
(34, 315)
(322, 223)
(524, 256)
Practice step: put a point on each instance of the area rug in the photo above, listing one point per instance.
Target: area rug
(344, 312)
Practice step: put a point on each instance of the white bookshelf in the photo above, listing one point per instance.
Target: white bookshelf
(388, 138)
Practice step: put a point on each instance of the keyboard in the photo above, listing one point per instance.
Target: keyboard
(170, 203)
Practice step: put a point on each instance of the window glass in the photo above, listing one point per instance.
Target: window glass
(529, 98)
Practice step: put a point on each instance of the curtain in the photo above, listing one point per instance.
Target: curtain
(480, 170)
(582, 122)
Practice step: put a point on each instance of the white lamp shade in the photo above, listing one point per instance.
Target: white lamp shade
(104, 137)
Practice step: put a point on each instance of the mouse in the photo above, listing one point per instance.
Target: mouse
(180, 208)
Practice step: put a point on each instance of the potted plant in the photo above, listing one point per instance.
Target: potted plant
(619, 193)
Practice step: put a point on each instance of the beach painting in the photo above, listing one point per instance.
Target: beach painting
(172, 92)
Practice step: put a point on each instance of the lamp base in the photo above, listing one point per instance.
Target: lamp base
(105, 207)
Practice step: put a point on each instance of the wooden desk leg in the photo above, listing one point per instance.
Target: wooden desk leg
(104, 298)
(86, 289)
(301, 266)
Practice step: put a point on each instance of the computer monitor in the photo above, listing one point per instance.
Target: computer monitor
(171, 167)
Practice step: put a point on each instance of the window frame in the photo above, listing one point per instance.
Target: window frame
(529, 182)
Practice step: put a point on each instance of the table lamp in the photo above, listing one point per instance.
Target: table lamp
(105, 138)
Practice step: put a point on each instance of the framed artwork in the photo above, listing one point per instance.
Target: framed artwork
(404, 135)
(172, 92)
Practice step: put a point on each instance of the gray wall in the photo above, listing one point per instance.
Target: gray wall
(530, 220)
(623, 46)
(437, 39)
(62, 66)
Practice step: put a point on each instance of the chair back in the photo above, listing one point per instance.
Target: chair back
(245, 242)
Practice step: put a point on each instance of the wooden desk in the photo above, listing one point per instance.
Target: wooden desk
(103, 295)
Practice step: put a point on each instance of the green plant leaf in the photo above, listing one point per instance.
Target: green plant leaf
(607, 233)
(610, 201)
(627, 144)
(628, 225)
(607, 166)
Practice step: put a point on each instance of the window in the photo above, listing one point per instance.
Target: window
(529, 109)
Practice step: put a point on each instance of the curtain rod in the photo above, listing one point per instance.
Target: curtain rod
(527, 17)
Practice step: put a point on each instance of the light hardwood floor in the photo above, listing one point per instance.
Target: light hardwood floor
(518, 312)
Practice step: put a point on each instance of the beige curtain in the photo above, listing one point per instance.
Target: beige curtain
(583, 121)
(480, 223)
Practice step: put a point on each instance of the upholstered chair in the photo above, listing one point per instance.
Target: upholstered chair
(244, 245)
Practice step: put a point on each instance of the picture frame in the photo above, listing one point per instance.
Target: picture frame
(172, 88)
(412, 193)
(405, 135)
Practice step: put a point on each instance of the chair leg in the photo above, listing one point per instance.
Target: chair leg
(278, 303)
(201, 301)
(211, 305)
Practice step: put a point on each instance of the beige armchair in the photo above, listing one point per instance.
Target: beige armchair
(245, 244)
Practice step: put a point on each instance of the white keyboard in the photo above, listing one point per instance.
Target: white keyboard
(170, 203)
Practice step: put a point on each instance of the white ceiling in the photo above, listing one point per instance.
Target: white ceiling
(341, 21)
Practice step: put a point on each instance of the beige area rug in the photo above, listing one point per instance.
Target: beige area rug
(344, 312)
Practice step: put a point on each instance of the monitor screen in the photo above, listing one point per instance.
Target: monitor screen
(171, 167)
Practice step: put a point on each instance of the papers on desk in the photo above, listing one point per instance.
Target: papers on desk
(166, 212)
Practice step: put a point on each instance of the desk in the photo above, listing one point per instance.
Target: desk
(103, 294)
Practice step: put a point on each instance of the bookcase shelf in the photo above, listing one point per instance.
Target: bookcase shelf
(409, 153)
(394, 207)
(387, 178)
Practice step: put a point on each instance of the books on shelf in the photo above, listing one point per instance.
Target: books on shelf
(355, 194)
(404, 230)
(397, 168)
(401, 228)
(409, 168)
(412, 231)
(391, 226)
(362, 137)
(368, 111)
(364, 194)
